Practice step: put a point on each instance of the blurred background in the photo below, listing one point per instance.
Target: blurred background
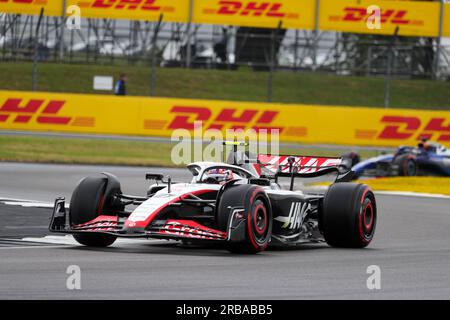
(301, 64)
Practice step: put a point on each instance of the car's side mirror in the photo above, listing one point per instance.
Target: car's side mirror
(154, 176)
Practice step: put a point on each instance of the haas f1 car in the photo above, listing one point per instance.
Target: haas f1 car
(427, 159)
(241, 206)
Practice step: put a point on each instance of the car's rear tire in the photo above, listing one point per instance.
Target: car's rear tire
(89, 199)
(257, 213)
(407, 165)
(349, 215)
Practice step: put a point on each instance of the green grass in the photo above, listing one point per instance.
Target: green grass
(241, 85)
(107, 151)
(83, 151)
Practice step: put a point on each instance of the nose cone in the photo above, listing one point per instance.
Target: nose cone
(133, 227)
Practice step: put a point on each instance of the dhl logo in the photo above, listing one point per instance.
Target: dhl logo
(402, 128)
(227, 118)
(253, 8)
(407, 128)
(144, 5)
(35, 2)
(360, 14)
(23, 112)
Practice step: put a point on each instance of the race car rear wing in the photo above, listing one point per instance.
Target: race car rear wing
(303, 167)
(297, 164)
(274, 166)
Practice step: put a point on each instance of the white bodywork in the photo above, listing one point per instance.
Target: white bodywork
(151, 207)
(162, 198)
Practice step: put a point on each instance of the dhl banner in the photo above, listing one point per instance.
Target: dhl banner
(297, 14)
(150, 10)
(414, 18)
(446, 21)
(51, 7)
(79, 113)
(411, 17)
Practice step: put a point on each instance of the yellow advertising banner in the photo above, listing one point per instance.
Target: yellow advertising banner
(149, 10)
(412, 17)
(446, 21)
(51, 7)
(299, 14)
(80, 113)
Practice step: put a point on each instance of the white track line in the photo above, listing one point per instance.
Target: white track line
(19, 200)
(30, 247)
(70, 241)
(52, 241)
(28, 203)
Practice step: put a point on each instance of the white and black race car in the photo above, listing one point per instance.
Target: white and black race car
(241, 206)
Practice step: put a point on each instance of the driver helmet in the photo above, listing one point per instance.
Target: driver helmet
(424, 144)
(219, 176)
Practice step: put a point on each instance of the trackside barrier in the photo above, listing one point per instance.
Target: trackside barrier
(101, 114)
(414, 18)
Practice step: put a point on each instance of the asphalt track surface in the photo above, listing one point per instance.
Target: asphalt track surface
(411, 247)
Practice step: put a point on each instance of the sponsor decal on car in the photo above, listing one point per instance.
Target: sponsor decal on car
(191, 229)
(101, 223)
(297, 215)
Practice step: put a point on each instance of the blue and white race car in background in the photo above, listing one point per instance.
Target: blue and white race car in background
(427, 159)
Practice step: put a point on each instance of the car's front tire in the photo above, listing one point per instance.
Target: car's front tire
(258, 217)
(349, 215)
(89, 199)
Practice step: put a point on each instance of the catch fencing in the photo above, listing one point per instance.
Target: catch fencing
(415, 18)
(271, 35)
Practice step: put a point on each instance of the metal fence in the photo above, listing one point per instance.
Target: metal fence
(161, 44)
(223, 47)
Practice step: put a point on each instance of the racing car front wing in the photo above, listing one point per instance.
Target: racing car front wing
(168, 229)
